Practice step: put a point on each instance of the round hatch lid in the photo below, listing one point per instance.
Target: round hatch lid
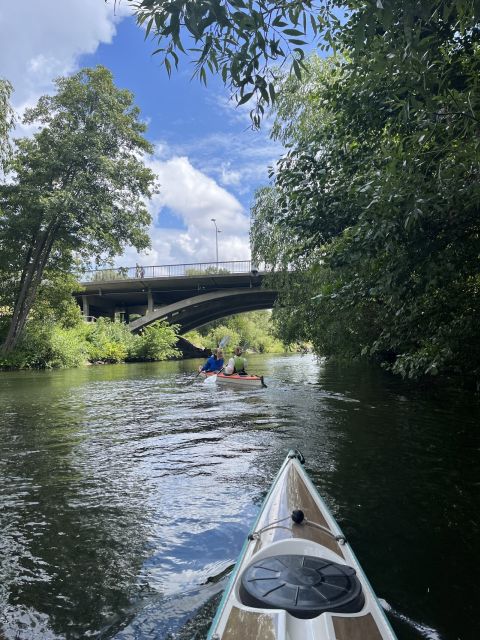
(305, 586)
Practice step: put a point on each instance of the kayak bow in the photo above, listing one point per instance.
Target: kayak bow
(297, 577)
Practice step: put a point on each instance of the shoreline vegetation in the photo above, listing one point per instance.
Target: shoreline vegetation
(68, 341)
(52, 346)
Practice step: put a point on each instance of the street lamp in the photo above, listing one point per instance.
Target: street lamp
(217, 231)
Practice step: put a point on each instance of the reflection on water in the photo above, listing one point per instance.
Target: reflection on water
(124, 491)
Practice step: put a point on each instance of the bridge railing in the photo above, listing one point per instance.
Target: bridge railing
(140, 272)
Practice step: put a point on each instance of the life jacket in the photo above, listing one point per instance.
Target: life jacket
(239, 364)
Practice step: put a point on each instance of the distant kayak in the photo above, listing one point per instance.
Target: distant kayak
(297, 577)
(237, 380)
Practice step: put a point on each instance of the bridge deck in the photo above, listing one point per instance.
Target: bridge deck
(191, 295)
(131, 291)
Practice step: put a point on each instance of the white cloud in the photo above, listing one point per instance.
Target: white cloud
(172, 246)
(42, 40)
(230, 176)
(237, 160)
(194, 198)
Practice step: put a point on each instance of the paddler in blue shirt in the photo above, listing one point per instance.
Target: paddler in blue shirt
(214, 363)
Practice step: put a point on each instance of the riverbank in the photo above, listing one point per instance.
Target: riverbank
(55, 346)
(71, 342)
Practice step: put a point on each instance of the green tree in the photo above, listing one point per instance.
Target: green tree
(376, 204)
(196, 338)
(155, 342)
(54, 335)
(48, 346)
(211, 270)
(109, 341)
(55, 303)
(253, 329)
(78, 190)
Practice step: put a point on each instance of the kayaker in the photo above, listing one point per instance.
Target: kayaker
(237, 364)
(214, 362)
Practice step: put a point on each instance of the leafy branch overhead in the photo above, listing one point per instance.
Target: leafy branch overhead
(246, 42)
(242, 40)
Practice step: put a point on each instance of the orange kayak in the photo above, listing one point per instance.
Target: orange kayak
(236, 380)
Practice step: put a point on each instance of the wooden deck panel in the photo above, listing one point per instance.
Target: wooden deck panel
(243, 625)
(356, 628)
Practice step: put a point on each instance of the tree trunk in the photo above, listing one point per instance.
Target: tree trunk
(30, 281)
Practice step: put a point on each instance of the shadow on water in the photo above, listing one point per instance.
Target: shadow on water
(126, 492)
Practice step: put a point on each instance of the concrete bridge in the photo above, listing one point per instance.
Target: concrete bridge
(189, 295)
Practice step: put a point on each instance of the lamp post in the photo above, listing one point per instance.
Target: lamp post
(217, 231)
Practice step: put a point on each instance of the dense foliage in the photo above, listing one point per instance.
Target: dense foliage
(377, 206)
(253, 330)
(155, 342)
(76, 191)
(49, 345)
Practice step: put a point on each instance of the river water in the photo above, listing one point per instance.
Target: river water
(126, 492)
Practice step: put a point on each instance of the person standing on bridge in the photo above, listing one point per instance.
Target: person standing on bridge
(214, 363)
(237, 364)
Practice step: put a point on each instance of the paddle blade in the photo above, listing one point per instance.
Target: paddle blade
(224, 341)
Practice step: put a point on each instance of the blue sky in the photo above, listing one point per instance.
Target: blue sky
(208, 161)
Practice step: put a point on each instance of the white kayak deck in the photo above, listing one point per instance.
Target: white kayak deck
(293, 490)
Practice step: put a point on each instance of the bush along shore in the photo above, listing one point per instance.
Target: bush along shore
(52, 345)
(253, 330)
(57, 337)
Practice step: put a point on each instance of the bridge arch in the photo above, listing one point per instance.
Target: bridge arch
(198, 310)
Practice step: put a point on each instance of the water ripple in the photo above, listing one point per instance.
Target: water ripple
(125, 491)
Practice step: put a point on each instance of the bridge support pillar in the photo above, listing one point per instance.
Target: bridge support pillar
(149, 301)
(85, 306)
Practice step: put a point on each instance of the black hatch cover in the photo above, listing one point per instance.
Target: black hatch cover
(305, 586)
